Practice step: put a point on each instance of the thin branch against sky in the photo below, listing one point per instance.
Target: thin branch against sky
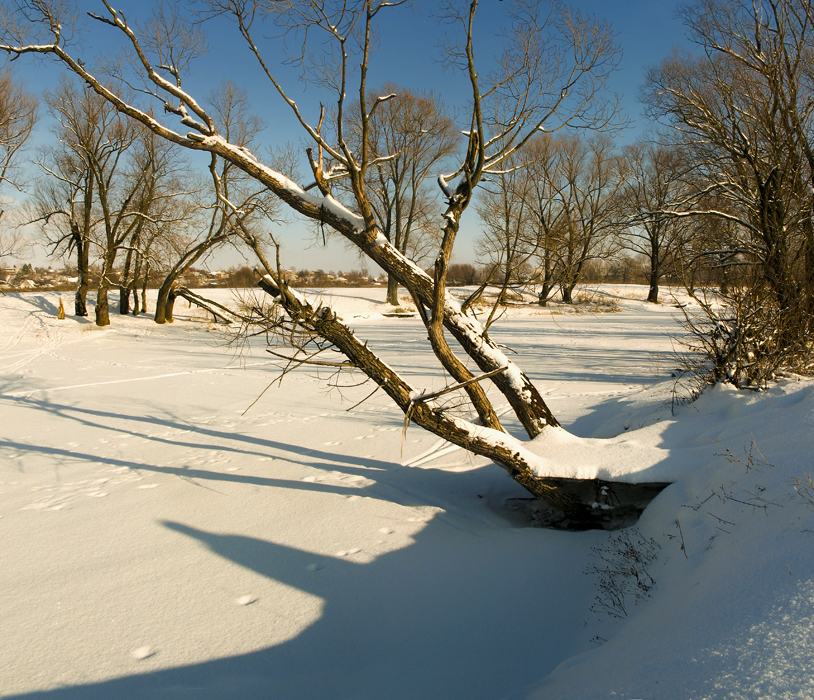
(409, 57)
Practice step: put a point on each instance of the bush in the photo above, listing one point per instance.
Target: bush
(743, 337)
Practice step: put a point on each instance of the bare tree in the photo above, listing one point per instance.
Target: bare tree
(233, 211)
(546, 212)
(549, 74)
(64, 198)
(507, 244)
(655, 184)
(163, 203)
(18, 114)
(743, 111)
(588, 185)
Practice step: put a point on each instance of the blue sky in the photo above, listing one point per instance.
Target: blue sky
(408, 56)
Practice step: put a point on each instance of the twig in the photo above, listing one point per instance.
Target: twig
(363, 400)
(461, 385)
(681, 534)
(306, 361)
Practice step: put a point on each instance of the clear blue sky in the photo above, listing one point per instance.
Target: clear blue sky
(408, 56)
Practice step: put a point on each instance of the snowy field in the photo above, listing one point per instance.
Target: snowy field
(159, 540)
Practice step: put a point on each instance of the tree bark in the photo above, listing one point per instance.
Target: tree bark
(169, 305)
(392, 291)
(124, 285)
(102, 307)
(545, 292)
(653, 292)
(124, 300)
(82, 271)
(144, 288)
(166, 299)
(80, 299)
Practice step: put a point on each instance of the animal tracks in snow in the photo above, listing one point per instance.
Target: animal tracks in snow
(336, 478)
(56, 497)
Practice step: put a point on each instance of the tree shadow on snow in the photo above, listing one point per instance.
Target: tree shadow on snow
(459, 613)
(451, 616)
(402, 485)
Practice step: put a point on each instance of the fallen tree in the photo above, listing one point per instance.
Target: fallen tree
(549, 75)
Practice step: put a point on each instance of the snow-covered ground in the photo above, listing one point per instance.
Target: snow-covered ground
(159, 540)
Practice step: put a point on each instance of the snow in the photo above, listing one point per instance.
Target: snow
(158, 540)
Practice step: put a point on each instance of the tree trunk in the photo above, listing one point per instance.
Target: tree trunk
(165, 300)
(124, 300)
(169, 306)
(575, 499)
(655, 267)
(102, 308)
(124, 285)
(392, 291)
(653, 293)
(102, 302)
(809, 274)
(566, 290)
(545, 291)
(144, 289)
(82, 271)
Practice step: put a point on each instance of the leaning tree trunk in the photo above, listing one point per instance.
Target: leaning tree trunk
(582, 503)
(524, 398)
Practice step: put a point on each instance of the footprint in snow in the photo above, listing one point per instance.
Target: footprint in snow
(347, 552)
(246, 600)
(331, 444)
(142, 653)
